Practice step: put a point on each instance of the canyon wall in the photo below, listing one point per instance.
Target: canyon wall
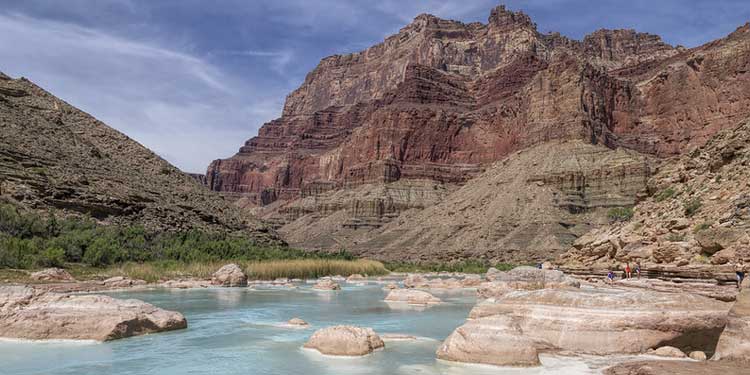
(441, 101)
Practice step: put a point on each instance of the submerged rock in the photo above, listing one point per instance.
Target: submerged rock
(297, 322)
(26, 313)
(327, 284)
(345, 341)
(230, 275)
(415, 281)
(355, 278)
(52, 274)
(412, 297)
(122, 282)
(600, 322)
(185, 284)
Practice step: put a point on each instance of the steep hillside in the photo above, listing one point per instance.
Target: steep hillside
(441, 101)
(53, 155)
(698, 215)
(527, 207)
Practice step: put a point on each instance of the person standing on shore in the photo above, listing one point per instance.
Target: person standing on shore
(638, 270)
(739, 270)
(610, 277)
(628, 274)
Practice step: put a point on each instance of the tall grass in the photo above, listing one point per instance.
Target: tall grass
(312, 268)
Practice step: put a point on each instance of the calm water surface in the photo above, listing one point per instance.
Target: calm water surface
(240, 331)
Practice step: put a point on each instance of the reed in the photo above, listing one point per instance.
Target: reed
(312, 268)
(263, 270)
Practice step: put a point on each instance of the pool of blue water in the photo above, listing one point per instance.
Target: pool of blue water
(241, 331)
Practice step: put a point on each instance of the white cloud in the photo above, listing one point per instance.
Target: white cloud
(179, 105)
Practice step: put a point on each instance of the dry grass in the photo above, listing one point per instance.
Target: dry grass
(312, 268)
(166, 270)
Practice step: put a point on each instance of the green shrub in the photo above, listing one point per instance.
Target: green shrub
(676, 237)
(692, 206)
(620, 214)
(28, 239)
(52, 257)
(664, 195)
(701, 226)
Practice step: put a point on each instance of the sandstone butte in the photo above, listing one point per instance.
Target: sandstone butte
(451, 140)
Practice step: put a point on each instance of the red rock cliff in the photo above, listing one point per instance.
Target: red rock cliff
(442, 99)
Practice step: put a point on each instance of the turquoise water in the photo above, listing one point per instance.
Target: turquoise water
(240, 331)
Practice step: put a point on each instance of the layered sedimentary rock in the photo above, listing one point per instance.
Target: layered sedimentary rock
(28, 313)
(697, 217)
(442, 100)
(583, 321)
(526, 208)
(53, 155)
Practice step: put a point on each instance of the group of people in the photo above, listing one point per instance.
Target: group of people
(739, 268)
(627, 273)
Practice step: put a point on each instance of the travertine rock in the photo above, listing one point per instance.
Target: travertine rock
(734, 343)
(345, 341)
(327, 284)
(297, 322)
(26, 313)
(667, 351)
(602, 322)
(52, 274)
(412, 297)
(523, 278)
(122, 282)
(229, 275)
(185, 284)
(698, 355)
(493, 340)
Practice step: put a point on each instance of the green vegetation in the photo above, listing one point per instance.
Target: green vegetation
(466, 266)
(692, 206)
(620, 214)
(29, 240)
(676, 237)
(701, 226)
(265, 270)
(664, 195)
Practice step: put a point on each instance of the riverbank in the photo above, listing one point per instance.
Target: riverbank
(152, 272)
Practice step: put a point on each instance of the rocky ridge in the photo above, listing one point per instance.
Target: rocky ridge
(697, 218)
(53, 155)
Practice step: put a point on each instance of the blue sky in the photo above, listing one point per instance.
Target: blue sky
(192, 80)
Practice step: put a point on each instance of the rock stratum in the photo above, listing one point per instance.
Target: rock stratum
(408, 150)
(53, 155)
(697, 218)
